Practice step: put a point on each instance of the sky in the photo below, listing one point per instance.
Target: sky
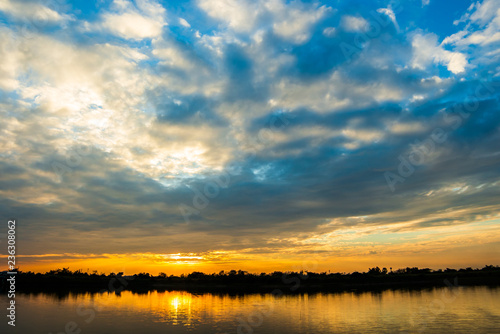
(208, 135)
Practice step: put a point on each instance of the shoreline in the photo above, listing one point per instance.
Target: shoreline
(286, 283)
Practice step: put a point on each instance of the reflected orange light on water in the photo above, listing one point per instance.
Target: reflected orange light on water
(397, 310)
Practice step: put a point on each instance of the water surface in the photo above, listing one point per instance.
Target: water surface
(437, 310)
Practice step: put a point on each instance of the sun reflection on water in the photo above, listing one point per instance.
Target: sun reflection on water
(180, 311)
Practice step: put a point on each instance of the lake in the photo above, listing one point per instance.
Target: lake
(436, 310)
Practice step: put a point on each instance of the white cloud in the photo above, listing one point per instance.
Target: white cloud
(425, 2)
(408, 127)
(293, 21)
(486, 16)
(11, 63)
(239, 15)
(456, 62)
(455, 38)
(172, 56)
(390, 13)
(480, 37)
(33, 11)
(290, 21)
(184, 23)
(426, 51)
(145, 19)
(354, 23)
(485, 11)
(100, 90)
(334, 93)
(363, 135)
(132, 26)
(329, 32)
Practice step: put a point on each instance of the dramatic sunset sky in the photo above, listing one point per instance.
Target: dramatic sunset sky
(208, 135)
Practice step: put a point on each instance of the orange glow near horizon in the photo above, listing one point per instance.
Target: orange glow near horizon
(131, 264)
(471, 245)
